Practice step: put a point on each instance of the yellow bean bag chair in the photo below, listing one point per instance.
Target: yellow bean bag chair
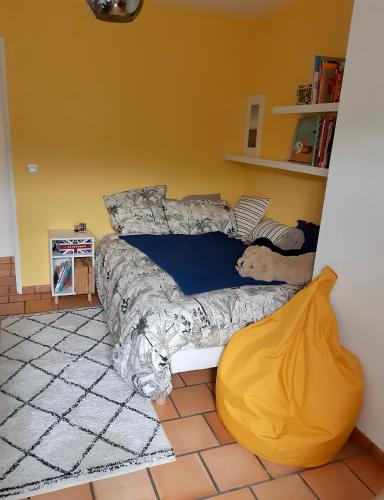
(286, 389)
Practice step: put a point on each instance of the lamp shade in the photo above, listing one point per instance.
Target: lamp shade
(116, 11)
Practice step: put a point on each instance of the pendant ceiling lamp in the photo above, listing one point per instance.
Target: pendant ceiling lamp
(121, 11)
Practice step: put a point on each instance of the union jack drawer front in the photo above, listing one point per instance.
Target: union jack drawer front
(73, 247)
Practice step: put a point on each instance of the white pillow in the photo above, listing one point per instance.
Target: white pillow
(248, 212)
(283, 236)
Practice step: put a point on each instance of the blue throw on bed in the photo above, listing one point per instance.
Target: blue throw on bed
(197, 263)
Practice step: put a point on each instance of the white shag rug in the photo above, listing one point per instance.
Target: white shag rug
(66, 417)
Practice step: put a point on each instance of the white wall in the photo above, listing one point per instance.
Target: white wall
(7, 234)
(352, 232)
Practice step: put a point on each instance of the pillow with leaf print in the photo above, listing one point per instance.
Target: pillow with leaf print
(199, 216)
(138, 211)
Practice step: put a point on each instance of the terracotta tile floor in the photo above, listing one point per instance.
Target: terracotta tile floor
(211, 465)
(34, 298)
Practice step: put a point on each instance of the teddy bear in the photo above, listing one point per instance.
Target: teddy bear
(261, 263)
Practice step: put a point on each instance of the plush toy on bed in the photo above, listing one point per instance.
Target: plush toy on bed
(261, 263)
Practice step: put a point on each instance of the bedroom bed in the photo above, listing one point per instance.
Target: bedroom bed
(160, 330)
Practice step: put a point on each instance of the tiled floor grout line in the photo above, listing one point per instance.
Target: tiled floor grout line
(199, 450)
(257, 483)
(92, 491)
(208, 472)
(253, 493)
(195, 385)
(153, 483)
(185, 383)
(177, 410)
(212, 391)
(270, 477)
(309, 487)
(211, 428)
(358, 477)
(181, 417)
(174, 405)
(207, 382)
(189, 416)
(232, 490)
(263, 466)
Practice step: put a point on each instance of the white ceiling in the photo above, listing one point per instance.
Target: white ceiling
(236, 6)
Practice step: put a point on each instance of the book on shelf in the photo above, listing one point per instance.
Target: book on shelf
(62, 276)
(304, 140)
(323, 148)
(327, 79)
(313, 140)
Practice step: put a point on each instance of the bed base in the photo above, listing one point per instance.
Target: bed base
(193, 358)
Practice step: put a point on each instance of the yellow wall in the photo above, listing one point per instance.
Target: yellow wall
(103, 107)
(285, 44)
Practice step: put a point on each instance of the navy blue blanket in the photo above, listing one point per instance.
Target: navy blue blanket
(197, 263)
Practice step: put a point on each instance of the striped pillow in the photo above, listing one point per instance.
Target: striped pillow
(284, 237)
(248, 212)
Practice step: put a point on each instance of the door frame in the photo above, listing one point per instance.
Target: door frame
(4, 98)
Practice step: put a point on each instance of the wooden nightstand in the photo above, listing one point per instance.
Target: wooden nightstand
(72, 260)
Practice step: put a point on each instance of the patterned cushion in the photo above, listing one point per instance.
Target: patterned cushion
(285, 237)
(199, 216)
(138, 211)
(248, 212)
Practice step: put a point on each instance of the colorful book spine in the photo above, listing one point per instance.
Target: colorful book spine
(323, 146)
(321, 142)
(327, 82)
(339, 82)
(63, 275)
(317, 140)
(327, 79)
(328, 143)
(316, 77)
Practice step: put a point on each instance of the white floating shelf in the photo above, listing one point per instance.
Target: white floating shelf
(302, 168)
(331, 107)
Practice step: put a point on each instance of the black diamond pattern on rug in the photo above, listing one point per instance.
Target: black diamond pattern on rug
(66, 417)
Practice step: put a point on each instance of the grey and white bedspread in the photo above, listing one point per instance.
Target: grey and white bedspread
(151, 318)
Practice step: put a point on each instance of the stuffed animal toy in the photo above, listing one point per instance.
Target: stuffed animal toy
(261, 263)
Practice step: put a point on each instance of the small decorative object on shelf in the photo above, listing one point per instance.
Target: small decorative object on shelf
(254, 125)
(81, 227)
(304, 94)
(72, 258)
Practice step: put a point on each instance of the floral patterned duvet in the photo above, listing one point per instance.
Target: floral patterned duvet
(151, 318)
